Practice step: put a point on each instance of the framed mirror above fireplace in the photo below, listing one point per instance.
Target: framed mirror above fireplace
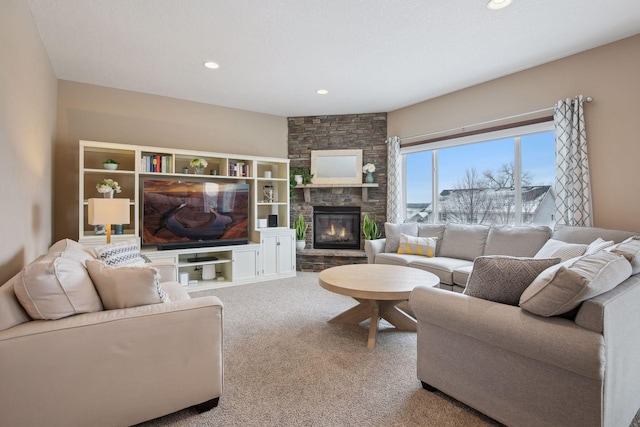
(336, 166)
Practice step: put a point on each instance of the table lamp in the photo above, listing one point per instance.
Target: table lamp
(108, 211)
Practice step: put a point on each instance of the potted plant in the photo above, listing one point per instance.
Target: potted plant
(370, 228)
(107, 187)
(298, 176)
(198, 165)
(301, 232)
(110, 164)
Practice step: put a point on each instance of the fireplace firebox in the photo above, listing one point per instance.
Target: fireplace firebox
(336, 227)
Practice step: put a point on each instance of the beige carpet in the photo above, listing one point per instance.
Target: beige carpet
(286, 366)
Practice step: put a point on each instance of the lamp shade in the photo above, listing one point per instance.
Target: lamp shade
(108, 211)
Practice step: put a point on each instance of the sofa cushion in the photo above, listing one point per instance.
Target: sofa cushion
(120, 254)
(461, 275)
(57, 286)
(558, 249)
(432, 230)
(561, 288)
(395, 258)
(11, 311)
(392, 234)
(464, 241)
(424, 246)
(630, 249)
(73, 248)
(123, 287)
(523, 241)
(442, 267)
(503, 279)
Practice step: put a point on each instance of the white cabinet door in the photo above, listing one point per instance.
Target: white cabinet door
(246, 264)
(278, 253)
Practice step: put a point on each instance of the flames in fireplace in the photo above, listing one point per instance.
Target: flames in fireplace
(334, 233)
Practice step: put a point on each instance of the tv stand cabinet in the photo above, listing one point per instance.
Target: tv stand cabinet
(234, 264)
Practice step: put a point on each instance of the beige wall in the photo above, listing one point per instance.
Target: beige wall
(97, 113)
(27, 127)
(610, 74)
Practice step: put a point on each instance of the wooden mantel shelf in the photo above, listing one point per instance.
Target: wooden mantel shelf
(365, 189)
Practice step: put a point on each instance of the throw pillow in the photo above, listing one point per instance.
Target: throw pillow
(120, 254)
(425, 246)
(123, 287)
(630, 249)
(464, 241)
(561, 288)
(503, 279)
(559, 249)
(598, 245)
(71, 247)
(392, 234)
(54, 287)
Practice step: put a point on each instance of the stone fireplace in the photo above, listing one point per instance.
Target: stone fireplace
(336, 227)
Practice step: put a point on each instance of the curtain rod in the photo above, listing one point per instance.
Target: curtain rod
(462, 128)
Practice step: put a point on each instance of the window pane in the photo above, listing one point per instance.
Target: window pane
(476, 182)
(419, 184)
(538, 177)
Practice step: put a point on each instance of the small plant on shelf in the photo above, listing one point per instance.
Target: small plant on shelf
(300, 175)
(370, 228)
(110, 164)
(108, 185)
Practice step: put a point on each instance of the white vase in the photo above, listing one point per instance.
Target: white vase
(297, 179)
(108, 195)
(300, 244)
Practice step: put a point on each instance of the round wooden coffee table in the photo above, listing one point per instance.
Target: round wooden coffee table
(378, 288)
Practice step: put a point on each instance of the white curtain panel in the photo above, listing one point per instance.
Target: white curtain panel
(573, 188)
(394, 181)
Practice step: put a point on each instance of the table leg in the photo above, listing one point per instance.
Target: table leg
(398, 318)
(354, 315)
(373, 328)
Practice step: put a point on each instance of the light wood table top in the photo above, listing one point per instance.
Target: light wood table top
(378, 288)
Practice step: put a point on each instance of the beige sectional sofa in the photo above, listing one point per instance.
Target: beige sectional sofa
(457, 245)
(580, 368)
(111, 367)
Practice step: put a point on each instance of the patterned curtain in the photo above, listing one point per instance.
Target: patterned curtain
(394, 181)
(573, 189)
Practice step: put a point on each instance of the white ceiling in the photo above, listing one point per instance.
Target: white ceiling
(372, 55)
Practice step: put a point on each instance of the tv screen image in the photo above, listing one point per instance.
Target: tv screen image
(181, 214)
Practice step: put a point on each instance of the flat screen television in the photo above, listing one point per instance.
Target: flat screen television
(180, 214)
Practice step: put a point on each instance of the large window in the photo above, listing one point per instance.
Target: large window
(503, 177)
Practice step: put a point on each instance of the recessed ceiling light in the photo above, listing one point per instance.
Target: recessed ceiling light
(322, 91)
(211, 64)
(498, 4)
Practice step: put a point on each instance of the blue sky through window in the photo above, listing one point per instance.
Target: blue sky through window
(538, 159)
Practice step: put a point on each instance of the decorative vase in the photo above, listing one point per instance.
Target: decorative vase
(198, 170)
(369, 178)
(297, 179)
(300, 244)
(110, 166)
(108, 195)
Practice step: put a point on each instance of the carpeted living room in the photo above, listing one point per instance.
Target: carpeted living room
(477, 160)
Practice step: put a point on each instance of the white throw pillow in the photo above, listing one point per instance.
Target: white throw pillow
(598, 245)
(123, 287)
(630, 249)
(411, 245)
(561, 288)
(559, 249)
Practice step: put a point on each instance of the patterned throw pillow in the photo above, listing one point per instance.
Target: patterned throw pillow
(123, 254)
(598, 245)
(124, 287)
(425, 246)
(502, 278)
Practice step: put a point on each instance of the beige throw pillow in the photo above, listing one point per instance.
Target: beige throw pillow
(123, 287)
(425, 246)
(503, 278)
(57, 286)
(561, 288)
(630, 249)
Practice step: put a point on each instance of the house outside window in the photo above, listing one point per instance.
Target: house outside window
(503, 177)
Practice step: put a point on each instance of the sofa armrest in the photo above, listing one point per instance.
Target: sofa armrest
(555, 341)
(372, 248)
(168, 270)
(146, 361)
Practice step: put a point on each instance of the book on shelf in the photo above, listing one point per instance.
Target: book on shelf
(238, 169)
(156, 163)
